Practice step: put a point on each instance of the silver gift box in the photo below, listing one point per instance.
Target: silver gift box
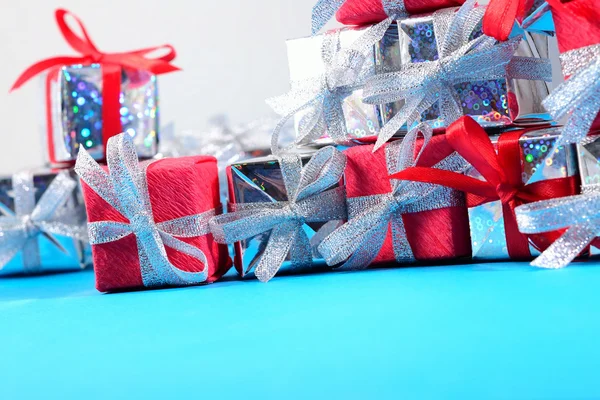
(75, 95)
(260, 180)
(486, 221)
(539, 18)
(57, 253)
(588, 158)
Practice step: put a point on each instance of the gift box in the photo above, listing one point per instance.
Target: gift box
(91, 98)
(578, 35)
(491, 102)
(538, 164)
(42, 223)
(405, 224)
(259, 183)
(149, 223)
(588, 158)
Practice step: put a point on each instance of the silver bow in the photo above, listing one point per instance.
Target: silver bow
(19, 231)
(324, 10)
(359, 240)
(126, 190)
(578, 97)
(580, 214)
(460, 60)
(309, 200)
(322, 96)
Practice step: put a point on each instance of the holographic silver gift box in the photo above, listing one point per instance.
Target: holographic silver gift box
(52, 252)
(75, 104)
(260, 180)
(305, 62)
(486, 221)
(588, 157)
(493, 103)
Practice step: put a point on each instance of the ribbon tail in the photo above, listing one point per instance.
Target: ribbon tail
(409, 112)
(529, 68)
(402, 249)
(322, 12)
(368, 248)
(278, 247)
(301, 252)
(334, 118)
(580, 122)
(55, 196)
(42, 66)
(569, 246)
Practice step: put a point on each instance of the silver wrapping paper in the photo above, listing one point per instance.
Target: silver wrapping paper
(588, 159)
(486, 221)
(259, 180)
(74, 255)
(76, 111)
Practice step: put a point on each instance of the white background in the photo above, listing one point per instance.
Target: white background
(232, 54)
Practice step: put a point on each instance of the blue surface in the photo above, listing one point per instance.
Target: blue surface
(489, 331)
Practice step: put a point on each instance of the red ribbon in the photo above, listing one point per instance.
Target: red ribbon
(111, 63)
(500, 17)
(502, 174)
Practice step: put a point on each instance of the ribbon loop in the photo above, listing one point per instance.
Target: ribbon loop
(312, 197)
(126, 189)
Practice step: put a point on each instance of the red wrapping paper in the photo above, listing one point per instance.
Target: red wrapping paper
(363, 12)
(433, 235)
(178, 187)
(577, 25)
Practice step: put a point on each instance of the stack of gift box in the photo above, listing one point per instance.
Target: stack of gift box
(426, 132)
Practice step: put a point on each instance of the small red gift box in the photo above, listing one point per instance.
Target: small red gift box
(177, 188)
(437, 234)
(362, 12)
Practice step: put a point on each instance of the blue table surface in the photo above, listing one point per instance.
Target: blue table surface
(483, 331)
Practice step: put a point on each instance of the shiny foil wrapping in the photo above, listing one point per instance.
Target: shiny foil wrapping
(76, 254)
(305, 61)
(486, 221)
(75, 98)
(260, 180)
(494, 103)
(539, 18)
(588, 158)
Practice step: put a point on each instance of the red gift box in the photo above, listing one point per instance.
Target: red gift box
(577, 25)
(433, 235)
(362, 12)
(178, 187)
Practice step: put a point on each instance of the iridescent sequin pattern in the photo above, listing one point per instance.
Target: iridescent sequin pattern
(486, 221)
(486, 101)
(76, 254)
(260, 180)
(80, 111)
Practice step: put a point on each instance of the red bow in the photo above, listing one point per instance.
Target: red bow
(501, 15)
(111, 63)
(502, 174)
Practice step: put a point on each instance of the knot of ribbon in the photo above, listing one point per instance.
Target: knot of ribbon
(322, 96)
(460, 60)
(579, 96)
(579, 214)
(501, 173)
(125, 188)
(324, 10)
(19, 230)
(358, 242)
(312, 197)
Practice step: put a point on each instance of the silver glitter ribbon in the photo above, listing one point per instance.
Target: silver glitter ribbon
(579, 96)
(311, 198)
(322, 96)
(19, 231)
(580, 214)
(125, 189)
(461, 60)
(359, 241)
(324, 10)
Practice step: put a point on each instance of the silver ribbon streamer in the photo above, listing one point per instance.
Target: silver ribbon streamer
(580, 214)
(579, 96)
(126, 190)
(460, 60)
(309, 200)
(324, 10)
(359, 240)
(322, 96)
(19, 231)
